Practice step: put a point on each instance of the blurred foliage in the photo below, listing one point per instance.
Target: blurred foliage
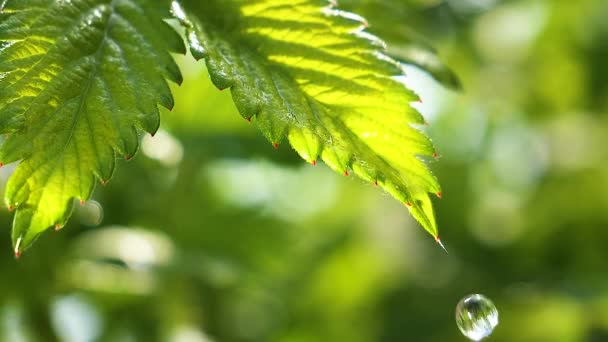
(212, 235)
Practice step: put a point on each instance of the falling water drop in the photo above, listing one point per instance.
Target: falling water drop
(90, 213)
(18, 248)
(438, 240)
(476, 317)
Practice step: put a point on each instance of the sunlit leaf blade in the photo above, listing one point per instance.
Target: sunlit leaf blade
(308, 72)
(78, 80)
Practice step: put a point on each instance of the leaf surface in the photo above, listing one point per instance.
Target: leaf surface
(79, 80)
(309, 73)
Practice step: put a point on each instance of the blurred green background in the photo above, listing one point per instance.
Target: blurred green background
(210, 234)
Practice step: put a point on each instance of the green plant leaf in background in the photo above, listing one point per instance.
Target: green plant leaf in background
(394, 21)
(78, 81)
(310, 74)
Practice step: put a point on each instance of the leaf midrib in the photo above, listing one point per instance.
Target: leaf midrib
(85, 92)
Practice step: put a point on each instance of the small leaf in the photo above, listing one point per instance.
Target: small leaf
(311, 74)
(428, 61)
(398, 23)
(78, 80)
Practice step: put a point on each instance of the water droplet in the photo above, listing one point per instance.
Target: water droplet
(177, 11)
(476, 317)
(90, 213)
(438, 240)
(17, 248)
(196, 47)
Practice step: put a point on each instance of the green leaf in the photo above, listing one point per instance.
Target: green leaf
(311, 74)
(428, 61)
(397, 22)
(78, 80)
